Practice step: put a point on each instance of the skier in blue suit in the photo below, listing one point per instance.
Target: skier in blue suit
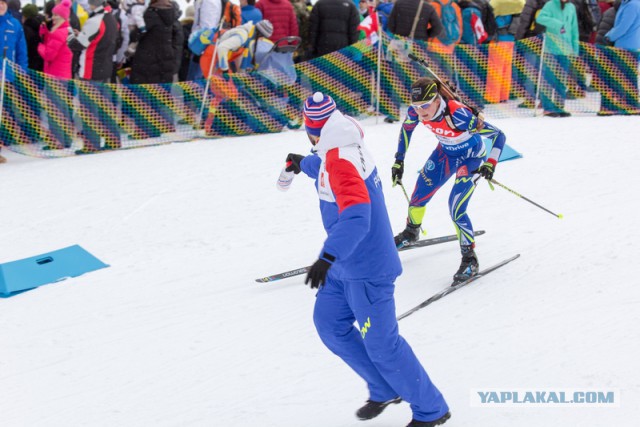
(460, 151)
(357, 267)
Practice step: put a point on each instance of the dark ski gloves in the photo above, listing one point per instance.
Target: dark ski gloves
(293, 163)
(396, 172)
(317, 274)
(487, 169)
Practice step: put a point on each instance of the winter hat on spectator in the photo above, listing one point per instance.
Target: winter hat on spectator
(14, 5)
(62, 10)
(30, 11)
(189, 12)
(317, 110)
(265, 27)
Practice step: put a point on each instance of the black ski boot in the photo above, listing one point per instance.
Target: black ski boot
(443, 419)
(469, 266)
(408, 236)
(372, 409)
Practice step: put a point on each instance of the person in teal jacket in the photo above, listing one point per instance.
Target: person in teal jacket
(561, 21)
(562, 43)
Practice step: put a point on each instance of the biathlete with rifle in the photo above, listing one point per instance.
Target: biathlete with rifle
(460, 151)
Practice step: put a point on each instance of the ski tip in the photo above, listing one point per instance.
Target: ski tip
(262, 280)
(479, 233)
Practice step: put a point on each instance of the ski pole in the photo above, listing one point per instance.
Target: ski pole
(4, 76)
(217, 33)
(559, 216)
(424, 233)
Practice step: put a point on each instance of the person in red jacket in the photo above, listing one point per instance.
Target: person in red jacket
(280, 13)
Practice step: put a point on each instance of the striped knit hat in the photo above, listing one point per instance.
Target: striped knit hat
(317, 110)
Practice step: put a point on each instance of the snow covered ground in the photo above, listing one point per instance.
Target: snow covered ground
(177, 332)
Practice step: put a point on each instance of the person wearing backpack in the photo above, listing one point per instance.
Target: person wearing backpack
(443, 46)
(405, 12)
(499, 71)
(473, 31)
(507, 15)
(451, 17)
(473, 34)
(488, 19)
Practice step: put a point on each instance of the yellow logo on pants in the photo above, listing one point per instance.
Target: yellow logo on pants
(365, 327)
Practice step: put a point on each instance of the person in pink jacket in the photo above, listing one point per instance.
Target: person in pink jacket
(57, 63)
(54, 50)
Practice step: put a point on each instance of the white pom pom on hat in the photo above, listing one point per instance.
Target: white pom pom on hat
(317, 110)
(319, 106)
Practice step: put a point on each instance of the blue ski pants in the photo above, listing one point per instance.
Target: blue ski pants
(436, 172)
(376, 351)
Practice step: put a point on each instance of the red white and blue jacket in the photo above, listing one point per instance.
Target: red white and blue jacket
(360, 240)
(97, 42)
(455, 127)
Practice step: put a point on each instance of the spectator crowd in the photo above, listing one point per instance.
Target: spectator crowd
(146, 41)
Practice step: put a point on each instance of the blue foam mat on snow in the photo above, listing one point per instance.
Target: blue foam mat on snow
(29, 273)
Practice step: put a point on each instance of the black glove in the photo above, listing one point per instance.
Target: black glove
(487, 169)
(396, 172)
(293, 163)
(317, 273)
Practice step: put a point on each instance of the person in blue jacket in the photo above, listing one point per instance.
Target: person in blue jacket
(250, 12)
(357, 267)
(625, 34)
(13, 44)
(14, 48)
(384, 10)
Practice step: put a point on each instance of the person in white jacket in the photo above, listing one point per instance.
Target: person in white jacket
(207, 15)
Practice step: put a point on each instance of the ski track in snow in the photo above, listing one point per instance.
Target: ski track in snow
(176, 332)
